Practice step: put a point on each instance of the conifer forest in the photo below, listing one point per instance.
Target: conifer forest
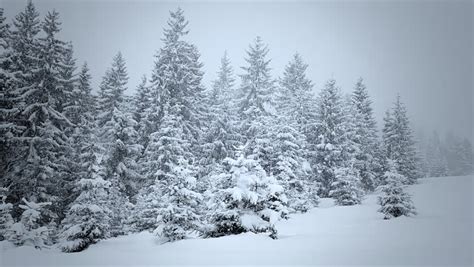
(179, 160)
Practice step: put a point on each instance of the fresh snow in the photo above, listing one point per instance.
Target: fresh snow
(441, 234)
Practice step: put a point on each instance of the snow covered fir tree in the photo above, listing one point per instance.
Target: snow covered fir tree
(395, 201)
(183, 159)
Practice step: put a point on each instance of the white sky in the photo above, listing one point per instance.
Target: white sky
(420, 49)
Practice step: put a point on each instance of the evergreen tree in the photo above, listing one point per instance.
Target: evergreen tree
(296, 98)
(331, 136)
(174, 145)
(176, 78)
(248, 200)
(121, 168)
(88, 218)
(178, 214)
(464, 156)
(222, 87)
(290, 169)
(142, 103)
(435, 157)
(47, 100)
(112, 87)
(118, 136)
(28, 231)
(256, 108)
(395, 202)
(398, 142)
(19, 63)
(365, 135)
(346, 188)
(220, 138)
(6, 220)
(296, 104)
(8, 128)
(40, 159)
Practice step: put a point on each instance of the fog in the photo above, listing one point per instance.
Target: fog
(420, 49)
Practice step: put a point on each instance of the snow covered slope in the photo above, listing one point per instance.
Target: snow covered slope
(441, 234)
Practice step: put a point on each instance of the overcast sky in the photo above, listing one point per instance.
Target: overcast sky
(420, 49)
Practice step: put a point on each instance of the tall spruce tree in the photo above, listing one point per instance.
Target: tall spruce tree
(296, 104)
(118, 136)
(141, 104)
(220, 137)
(330, 131)
(256, 109)
(88, 217)
(297, 101)
(171, 152)
(365, 135)
(398, 142)
(40, 159)
(112, 88)
(19, 63)
(8, 128)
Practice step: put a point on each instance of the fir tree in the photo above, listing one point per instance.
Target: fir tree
(395, 202)
(435, 157)
(121, 168)
(464, 156)
(178, 215)
(6, 220)
(220, 138)
(398, 142)
(347, 188)
(174, 143)
(296, 99)
(40, 160)
(296, 104)
(256, 108)
(28, 231)
(8, 129)
(365, 135)
(248, 200)
(112, 87)
(331, 136)
(19, 63)
(118, 136)
(458, 155)
(88, 218)
(142, 103)
(177, 75)
(290, 169)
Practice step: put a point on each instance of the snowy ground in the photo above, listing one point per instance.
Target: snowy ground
(441, 234)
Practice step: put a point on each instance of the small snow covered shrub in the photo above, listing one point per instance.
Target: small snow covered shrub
(28, 231)
(346, 190)
(251, 200)
(88, 219)
(6, 220)
(395, 202)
